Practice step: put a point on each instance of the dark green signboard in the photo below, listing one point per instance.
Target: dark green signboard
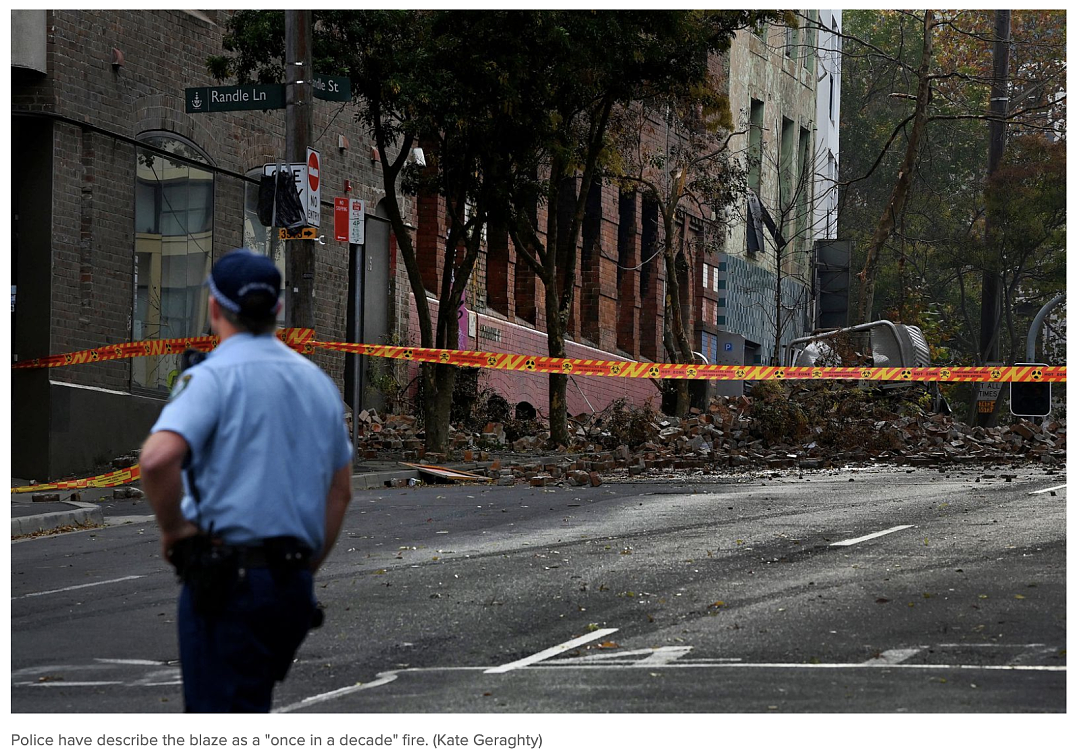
(332, 88)
(243, 97)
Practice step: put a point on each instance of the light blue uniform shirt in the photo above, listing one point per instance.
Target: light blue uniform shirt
(267, 433)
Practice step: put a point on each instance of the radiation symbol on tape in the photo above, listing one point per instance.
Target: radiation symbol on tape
(407, 355)
(530, 365)
(491, 361)
(816, 373)
(945, 374)
(691, 372)
(118, 351)
(906, 373)
(740, 373)
(567, 367)
(1036, 375)
(780, 374)
(866, 373)
(995, 374)
(654, 372)
(67, 358)
(444, 357)
(615, 369)
(93, 355)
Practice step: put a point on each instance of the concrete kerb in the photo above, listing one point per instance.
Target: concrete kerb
(82, 513)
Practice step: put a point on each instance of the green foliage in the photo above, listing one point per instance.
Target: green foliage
(932, 268)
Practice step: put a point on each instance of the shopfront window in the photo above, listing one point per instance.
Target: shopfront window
(174, 233)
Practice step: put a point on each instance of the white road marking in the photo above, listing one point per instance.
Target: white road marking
(992, 645)
(384, 678)
(68, 684)
(892, 657)
(1048, 490)
(560, 648)
(131, 662)
(648, 657)
(165, 674)
(853, 541)
(78, 587)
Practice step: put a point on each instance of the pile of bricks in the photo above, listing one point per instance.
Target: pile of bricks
(730, 435)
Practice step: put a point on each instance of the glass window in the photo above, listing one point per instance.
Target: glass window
(174, 238)
(757, 128)
(811, 40)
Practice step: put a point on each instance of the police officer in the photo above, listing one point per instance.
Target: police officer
(248, 470)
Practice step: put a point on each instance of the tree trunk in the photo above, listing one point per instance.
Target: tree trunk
(556, 326)
(898, 198)
(439, 381)
(779, 304)
(674, 315)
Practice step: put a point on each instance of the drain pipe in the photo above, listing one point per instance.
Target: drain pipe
(1033, 332)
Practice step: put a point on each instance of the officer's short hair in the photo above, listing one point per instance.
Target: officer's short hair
(248, 287)
(252, 316)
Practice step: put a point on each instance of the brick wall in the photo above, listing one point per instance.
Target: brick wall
(92, 236)
(583, 393)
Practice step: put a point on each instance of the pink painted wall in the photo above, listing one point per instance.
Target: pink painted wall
(584, 394)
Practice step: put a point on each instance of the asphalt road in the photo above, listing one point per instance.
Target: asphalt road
(756, 594)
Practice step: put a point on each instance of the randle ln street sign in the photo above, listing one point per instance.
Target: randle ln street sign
(241, 97)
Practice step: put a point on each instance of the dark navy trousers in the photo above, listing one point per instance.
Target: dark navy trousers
(231, 661)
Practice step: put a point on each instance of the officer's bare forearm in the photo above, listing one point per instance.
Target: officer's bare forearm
(160, 465)
(337, 501)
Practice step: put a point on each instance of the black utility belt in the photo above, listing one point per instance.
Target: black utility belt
(285, 551)
(214, 570)
(282, 553)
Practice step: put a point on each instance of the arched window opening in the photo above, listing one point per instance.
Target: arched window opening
(174, 239)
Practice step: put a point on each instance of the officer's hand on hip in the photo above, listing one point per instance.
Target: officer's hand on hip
(170, 538)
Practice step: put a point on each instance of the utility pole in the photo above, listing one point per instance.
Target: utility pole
(990, 314)
(299, 134)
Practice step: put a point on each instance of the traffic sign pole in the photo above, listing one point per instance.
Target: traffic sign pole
(299, 134)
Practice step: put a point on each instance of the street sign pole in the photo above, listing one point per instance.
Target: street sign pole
(299, 134)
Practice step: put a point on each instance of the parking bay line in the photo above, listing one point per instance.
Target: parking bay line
(79, 587)
(1048, 490)
(560, 648)
(853, 541)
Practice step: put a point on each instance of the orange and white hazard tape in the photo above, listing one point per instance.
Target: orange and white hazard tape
(303, 340)
(631, 369)
(298, 339)
(108, 480)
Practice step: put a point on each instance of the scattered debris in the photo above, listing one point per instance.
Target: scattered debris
(445, 473)
(804, 426)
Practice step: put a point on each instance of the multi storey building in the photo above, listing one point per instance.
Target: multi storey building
(784, 84)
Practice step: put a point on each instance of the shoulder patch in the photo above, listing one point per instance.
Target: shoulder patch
(179, 386)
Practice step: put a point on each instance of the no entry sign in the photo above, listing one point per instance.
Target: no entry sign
(313, 203)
